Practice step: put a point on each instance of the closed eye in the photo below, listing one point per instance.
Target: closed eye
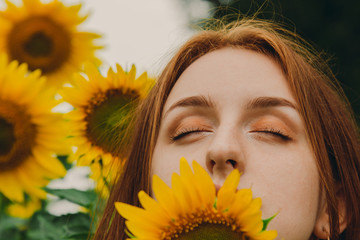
(185, 132)
(276, 133)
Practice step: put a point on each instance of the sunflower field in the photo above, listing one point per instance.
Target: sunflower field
(46, 61)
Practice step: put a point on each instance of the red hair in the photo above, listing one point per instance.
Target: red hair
(328, 118)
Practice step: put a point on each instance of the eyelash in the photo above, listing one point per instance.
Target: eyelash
(276, 133)
(182, 133)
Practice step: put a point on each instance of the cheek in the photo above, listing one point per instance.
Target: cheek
(288, 183)
(162, 165)
(166, 159)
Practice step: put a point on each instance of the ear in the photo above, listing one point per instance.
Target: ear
(322, 225)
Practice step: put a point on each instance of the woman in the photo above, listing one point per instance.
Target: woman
(255, 97)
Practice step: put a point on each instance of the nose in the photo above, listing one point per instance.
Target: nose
(224, 154)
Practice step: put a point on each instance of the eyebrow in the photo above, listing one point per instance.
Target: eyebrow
(259, 102)
(194, 101)
(267, 102)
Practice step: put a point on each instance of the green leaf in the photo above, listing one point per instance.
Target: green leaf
(8, 222)
(83, 198)
(266, 222)
(13, 234)
(215, 203)
(64, 161)
(4, 202)
(10, 227)
(65, 227)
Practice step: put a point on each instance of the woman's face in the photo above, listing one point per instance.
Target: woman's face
(232, 108)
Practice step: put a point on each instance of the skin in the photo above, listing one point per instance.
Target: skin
(248, 121)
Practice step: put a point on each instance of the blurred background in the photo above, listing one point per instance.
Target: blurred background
(146, 32)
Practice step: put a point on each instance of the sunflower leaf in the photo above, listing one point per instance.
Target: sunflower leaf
(82, 198)
(71, 226)
(215, 203)
(64, 161)
(267, 221)
(10, 227)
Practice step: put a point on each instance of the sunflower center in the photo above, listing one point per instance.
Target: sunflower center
(212, 231)
(108, 115)
(17, 135)
(39, 45)
(7, 138)
(205, 225)
(40, 42)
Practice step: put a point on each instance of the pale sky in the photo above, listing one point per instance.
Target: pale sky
(140, 32)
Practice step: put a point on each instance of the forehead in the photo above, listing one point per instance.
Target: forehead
(231, 74)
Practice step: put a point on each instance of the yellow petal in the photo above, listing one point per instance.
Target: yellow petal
(95, 78)
(191, 184)
(136, 214)
(252, 224)
(180, 193)
(29, 185)
(132, 73)
(73, 96)
(75, 115)
(266, 235)
(226, 194)
(205, 182)
(252, 209)
(142, 231)
(48, 162)
(243, 198)
(153, 207)
(34, 173)
(37, 171)
(165, 197)
(10, 187)
(25, 210)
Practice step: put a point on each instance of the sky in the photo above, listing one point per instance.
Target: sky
(140, 32)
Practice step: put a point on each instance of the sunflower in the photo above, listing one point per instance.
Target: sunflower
(24, 210)
(45, 36)
(193, 209)
(102, 110)
(30, 134)
(105, 174)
